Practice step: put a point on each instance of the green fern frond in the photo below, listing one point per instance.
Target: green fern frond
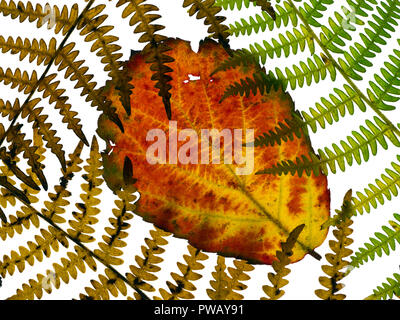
(275, 291)
(283, 16)
(86, 218)
(312, 71)
(387, 289)
(386, 87)
(358, 56)
(325, 112)
(233, 4)
(382, 243)
(155, 49)
(340, 252)
(289, 43)
(184, 282)
(386, 187)
(358, 147)
(335, 34)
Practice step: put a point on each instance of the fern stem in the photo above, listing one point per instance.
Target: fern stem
(43, 76)
(342, 72)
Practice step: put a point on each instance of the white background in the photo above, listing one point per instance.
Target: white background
(303, 279)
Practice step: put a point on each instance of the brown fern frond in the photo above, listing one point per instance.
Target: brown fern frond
(225, 286)
(81, 225)
(109, 248)
(105, 45)
(54, 208)
(275, 291)
(5, 183)
(340, 249)
(266, 6)
(16, 224)
(220, 283)
(38, 50)
(62, 19)
(8, 109)
(26, 83)
(50, 89)
(109, 283)
(8, 161)
(147, 265)
(67, 268)
(76, 71)
(184, 281)
(31, 153)
(238, 274)
(208, 9)
(34, 250)
(155, 49)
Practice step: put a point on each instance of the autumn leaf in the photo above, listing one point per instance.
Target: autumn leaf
(216, 207)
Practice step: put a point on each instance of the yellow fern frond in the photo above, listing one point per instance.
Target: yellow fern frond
(61, 272)
(109, 248)
(54, 208)
(81, 226)
(34, 250)
(334, 271)
(147, 265)
(275, 291)
(220, 283)
(184, 282)
(109, 283)
(238, 274)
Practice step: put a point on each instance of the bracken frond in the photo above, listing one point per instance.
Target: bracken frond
(340, 252)
(147, 265)
(208, 9)
(68, 267)
(358, 147)
(277, 280)
(112, 242)
(155, 49)
(226, 287)
(184, 281)
(86, 218)
(382, 243)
